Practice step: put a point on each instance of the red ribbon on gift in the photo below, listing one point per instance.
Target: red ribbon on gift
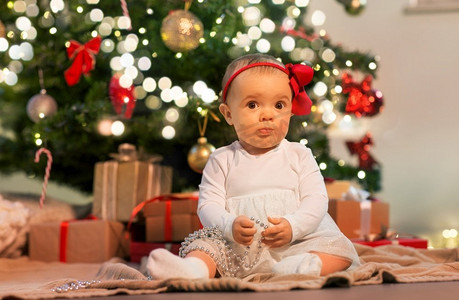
(83, 59)
(168, 222)
(63, 237)
(63, 241)
(168, 198)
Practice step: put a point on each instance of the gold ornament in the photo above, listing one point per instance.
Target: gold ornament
(181, 31)
(355, 7)
(199, 154)
(2, 30)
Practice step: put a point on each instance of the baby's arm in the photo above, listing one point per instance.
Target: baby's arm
(212, 196)
(313, 196)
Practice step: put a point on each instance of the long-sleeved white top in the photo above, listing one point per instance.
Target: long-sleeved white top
(231, 172)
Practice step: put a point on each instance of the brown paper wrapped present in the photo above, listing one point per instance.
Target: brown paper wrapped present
(171, 218)
(357, 219)
(346, 215)
(179, 228)
(337, 188)
(88, 241)
(121, 184)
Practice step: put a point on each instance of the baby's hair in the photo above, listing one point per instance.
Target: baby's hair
(245, 60)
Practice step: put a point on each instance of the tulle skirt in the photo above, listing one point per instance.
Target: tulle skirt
(235, 260)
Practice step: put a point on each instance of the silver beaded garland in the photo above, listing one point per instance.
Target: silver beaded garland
(74, 285)
(228, 262)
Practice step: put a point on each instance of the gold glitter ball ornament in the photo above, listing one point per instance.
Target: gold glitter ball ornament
(181, 31)
(199, 154)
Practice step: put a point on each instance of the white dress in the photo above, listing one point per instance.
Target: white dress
(284, 182)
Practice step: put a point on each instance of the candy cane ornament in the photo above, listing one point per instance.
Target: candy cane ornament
(126, 12)
(47, 171)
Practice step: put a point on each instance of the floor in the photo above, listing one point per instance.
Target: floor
(400, 291)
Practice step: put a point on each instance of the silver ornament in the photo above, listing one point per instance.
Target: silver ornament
(41, 106)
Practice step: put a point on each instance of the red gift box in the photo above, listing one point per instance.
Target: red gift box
(141, 249)
(409, 242)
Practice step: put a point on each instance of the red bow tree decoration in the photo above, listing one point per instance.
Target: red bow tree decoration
(122, 98)
(362, 99)
(366, 161)
(83, 59)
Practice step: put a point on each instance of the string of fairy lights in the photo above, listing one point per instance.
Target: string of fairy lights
(122, 45)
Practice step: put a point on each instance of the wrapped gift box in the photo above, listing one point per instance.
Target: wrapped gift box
(180, 227)
(379, 216)
(357, 219)
(346, 215)
(77, 241)
(409, 242)
(121, 185)
(336, 189)
(138, 250)
(171, 219)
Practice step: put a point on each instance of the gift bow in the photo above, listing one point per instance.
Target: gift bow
(83, 59)
(300, 75)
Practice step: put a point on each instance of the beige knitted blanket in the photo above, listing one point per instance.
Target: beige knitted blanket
(22, 278)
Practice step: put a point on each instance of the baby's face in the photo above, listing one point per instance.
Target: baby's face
(259, 106)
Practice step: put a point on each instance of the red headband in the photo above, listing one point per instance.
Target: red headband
(299, 75)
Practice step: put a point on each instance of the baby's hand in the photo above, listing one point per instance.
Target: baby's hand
(278, 235)
(243, 230)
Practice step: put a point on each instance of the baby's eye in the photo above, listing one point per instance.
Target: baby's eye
(252, 105)
(280, 105)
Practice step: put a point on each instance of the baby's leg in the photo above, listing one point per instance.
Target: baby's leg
(304, 263)
(332, 263)
(162, 264)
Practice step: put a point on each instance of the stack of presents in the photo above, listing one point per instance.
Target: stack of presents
(134, 213)
(362, 219)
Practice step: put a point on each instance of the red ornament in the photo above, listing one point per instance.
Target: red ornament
(362, 99)
(122, 98)
(83, 59)
(366, 161)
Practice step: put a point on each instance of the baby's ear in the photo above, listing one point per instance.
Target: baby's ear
(226, 112)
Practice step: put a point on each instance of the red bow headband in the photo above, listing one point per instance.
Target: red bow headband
(299, 75)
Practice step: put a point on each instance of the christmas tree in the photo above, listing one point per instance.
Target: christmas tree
(82, 77)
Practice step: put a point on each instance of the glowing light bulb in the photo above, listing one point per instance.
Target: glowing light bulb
(117, 128)
(318, 18)
(168, 132)
(263, 45)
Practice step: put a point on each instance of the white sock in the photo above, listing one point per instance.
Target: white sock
(162, 264)
(306, 263)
